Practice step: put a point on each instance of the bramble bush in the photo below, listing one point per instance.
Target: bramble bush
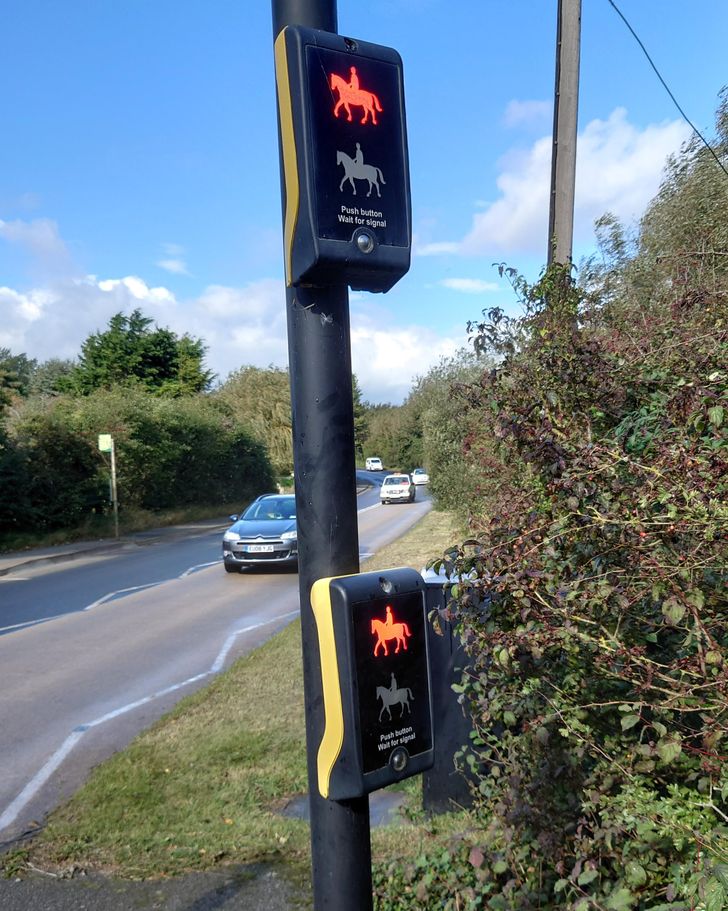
(599, 678)
(598, 683)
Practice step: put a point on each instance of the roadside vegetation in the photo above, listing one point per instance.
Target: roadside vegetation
(598, 514)
(182, 446)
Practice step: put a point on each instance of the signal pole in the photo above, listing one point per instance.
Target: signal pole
(114, 494)
(319, 350)
(563, 157)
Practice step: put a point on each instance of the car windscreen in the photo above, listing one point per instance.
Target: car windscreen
(275, 508)
(396, 482)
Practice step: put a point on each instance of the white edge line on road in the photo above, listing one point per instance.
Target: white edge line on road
(122, 591)
(40, 778)
(6, 629)
(193, 569)
(367, 508)
(11, 812)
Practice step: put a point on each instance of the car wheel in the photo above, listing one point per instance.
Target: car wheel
(231, 568)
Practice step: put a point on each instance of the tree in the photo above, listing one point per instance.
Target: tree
(16, 371)
(130, 352)
(49, 376)
(260, 399)
(444, 426)
(361, 417)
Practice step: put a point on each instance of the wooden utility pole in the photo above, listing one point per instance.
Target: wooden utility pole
(563, 158)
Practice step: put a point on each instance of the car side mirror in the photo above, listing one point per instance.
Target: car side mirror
(233, 518)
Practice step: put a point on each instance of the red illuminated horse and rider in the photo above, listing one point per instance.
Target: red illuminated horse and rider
(350, 95)
(387, 629)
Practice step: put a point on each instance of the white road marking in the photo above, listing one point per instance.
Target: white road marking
(6, 629)
(11, 812)
(123, 591)
(373, 506)
(40, 778)
(193, 569)
(220, 660)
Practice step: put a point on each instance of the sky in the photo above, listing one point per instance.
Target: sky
(139, 163)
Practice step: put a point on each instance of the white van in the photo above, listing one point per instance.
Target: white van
(374, 464)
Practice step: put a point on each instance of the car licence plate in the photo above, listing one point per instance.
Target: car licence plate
(259, 548)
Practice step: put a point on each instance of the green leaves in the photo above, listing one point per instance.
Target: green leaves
(673, 611)
(620, 900)
(635, 873)
(629, 721)
(669, 748)
(716, 415)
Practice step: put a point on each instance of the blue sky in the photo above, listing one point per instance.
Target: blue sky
(139, 164)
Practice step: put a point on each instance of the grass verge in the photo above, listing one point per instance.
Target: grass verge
(203, 786)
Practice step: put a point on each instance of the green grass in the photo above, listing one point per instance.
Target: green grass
(203, 786)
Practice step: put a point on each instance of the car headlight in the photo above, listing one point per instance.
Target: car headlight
(231, 536)
(289, 536)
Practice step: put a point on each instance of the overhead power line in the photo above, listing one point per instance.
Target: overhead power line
(667, 88)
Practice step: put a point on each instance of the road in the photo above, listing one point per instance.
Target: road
(96, 649)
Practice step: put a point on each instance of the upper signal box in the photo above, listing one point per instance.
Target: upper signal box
(347, 195)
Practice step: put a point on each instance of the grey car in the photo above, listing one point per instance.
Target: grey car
(265, 534)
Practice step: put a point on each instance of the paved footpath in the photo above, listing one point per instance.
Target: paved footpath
(253, 888)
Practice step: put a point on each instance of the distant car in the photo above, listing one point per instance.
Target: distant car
(397, 488)
(374, 464)
(420, 476)
(264, 534)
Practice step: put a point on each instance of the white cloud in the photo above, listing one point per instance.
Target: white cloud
(123, 289)
(40, 235)
(175, 266)
(239, 326)
(528, 113)
(435, 249)
(469, 285)
(42, 240)
(619, 167)
(386, 360)
(174, 261)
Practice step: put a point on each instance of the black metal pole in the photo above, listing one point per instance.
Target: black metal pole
(319, 351)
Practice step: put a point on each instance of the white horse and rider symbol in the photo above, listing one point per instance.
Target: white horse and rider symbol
(394, 695)
(385, 630)
(355, 169)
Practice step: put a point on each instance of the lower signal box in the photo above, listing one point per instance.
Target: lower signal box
(376, 681)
